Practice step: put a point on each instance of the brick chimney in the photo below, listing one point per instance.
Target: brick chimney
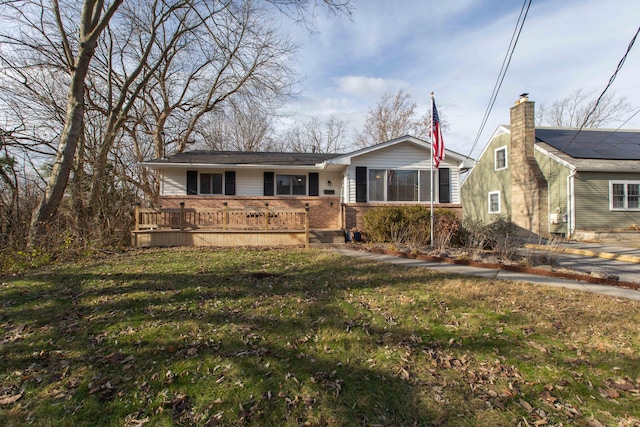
(529, 190)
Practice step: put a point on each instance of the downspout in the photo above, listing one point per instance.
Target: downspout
(343, 212)
(571, 201)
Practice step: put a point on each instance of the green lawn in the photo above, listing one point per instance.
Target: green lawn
(307, 337)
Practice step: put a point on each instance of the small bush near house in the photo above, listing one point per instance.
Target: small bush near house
(410, 225)
(380, 223)
(447, 229)
(497, 236)
(502, 239)
(475, 234)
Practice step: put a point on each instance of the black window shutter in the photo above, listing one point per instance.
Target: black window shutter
(230, 183)
(444, 185)
(314, 184)
(268, 183)
(361, 184)
(192, 183)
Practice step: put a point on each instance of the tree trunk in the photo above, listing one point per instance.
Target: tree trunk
(48, 206)
(91, 26)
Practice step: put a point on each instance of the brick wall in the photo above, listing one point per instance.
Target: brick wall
(324, 212)
(529, 190)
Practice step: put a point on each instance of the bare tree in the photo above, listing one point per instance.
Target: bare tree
(61, 37)
(212, 84)
(317, 136)
(241, 126)
(392, 117)
(572, 111)
(93, 18)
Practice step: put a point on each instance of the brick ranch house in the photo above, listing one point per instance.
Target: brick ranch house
(337, 189)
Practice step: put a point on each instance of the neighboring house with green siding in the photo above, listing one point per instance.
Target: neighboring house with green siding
(556, 181)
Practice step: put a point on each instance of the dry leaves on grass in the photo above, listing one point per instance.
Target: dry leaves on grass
(10, 399)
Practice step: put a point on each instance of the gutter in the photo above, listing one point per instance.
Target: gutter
(157, 166)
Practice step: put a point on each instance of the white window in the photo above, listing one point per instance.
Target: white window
(500, 158)
(624, 195)
(399, 185)
(494, 202)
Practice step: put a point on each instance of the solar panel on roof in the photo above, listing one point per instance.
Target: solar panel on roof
(593, 144)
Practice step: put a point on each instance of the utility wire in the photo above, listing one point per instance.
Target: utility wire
(611, 79)
(503, 70)
(617, 129)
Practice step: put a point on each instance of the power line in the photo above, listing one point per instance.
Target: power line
(617, 129)
(611, 79)
(503, 70)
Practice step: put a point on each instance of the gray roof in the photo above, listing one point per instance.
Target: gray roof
(602, 144)
(247, 158)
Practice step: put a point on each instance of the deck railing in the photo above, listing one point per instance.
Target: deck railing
(252, 218)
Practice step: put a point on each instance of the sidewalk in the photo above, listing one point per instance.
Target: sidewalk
(594, 250)
(604, 259)
(582, 261)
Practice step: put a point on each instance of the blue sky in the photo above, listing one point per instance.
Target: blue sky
(456, 49)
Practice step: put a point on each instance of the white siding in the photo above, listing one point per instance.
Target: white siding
(455, 184)
(335, 178)
(174, 182)
(248, 182)
(400, 156)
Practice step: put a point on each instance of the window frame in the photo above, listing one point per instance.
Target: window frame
(495, 158)
(211, 183)
(626, 195)
(386, 185)
(291, 185)
(492, 193)
(399, 185)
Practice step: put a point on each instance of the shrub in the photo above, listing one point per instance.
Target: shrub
(411, 225)
(447, 229)
(501, 238)
(475, 234)
(381, 224)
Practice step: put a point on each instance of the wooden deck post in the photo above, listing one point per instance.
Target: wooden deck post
(225, 219)
(137, 215)
(266, 216)
(181, 219)
(306, 225)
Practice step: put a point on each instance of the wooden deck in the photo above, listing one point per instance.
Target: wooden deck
(256, 226)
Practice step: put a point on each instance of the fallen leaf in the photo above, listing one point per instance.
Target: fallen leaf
(214, 420)
(609, 393)
(538, 347)
(527, 407)
(10, 399)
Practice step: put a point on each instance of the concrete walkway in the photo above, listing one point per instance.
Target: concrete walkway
(606, 260)
(593, 250)
(584, 261)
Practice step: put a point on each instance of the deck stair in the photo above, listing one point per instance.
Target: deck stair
(326, 237)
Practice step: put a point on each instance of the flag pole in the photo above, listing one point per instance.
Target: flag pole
(431, 172)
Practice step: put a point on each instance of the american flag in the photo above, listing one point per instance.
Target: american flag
(437, 142)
